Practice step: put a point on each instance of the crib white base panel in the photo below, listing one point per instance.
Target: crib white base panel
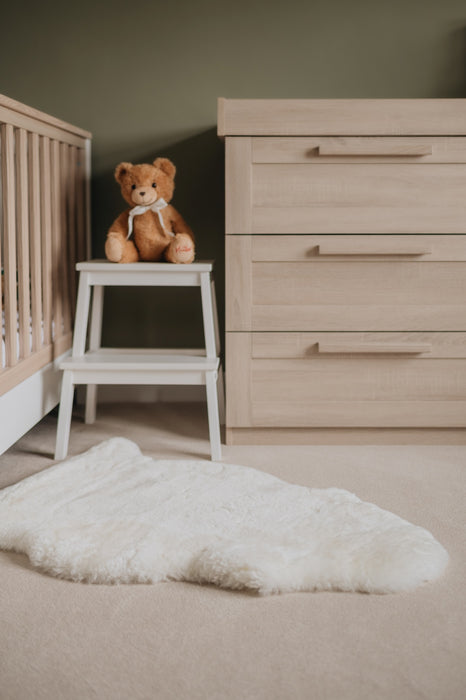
(27, 403)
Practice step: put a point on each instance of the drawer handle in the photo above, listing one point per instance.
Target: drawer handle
(383, 150)
(395, 248)
(367, 348)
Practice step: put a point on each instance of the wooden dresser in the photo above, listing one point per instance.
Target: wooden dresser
(345, 270)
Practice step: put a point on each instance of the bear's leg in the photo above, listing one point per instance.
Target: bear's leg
(119, 250)
(180, 249)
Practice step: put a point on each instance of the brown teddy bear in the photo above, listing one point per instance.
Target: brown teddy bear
(152, 229)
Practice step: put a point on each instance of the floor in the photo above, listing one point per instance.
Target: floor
(69, 641)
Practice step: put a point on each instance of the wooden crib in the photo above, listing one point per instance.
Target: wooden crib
(45, 214)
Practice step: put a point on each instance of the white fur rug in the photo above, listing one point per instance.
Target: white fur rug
(112, 515)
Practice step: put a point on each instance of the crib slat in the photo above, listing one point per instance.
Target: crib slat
(46, 234)
(81, 204)
(2, 358)
(57, 280)
(35, 242)
(22, 240)
(64, 237)
(72, 226)
(87, 197)
(9, 242)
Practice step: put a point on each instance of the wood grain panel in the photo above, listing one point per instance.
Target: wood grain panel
(41, 117)
(311, 149)
(26, 367)
(35, 241)
(350, 294)
(65, 236)
(347, 310)
(22, 243)
(9, 286)
(238, 270)
(238, 379)
(344, 391)
(71, 224)
(301, 248)
(238, 172)
(368, 414)
(345, 436)
(57, 243)
(359, 117)
(360, 220)
(397, 186)
(82, 205)
(356, 378)
(303, 345)
(357, 283)
(367, 317)
(46, 235)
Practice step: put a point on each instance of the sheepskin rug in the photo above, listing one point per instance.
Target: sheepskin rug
(112, 515)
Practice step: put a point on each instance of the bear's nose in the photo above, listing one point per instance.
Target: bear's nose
(142, 194)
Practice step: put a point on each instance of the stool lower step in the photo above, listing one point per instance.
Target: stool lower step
(122, 359)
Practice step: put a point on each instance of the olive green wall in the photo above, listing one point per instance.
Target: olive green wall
(144, 78)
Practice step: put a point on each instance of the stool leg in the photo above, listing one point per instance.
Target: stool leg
(208, 315)
(82, 315)
(215, 317)
(90, 407)
(220, 382)
(95, 335)
(212, 413)
(64, 416)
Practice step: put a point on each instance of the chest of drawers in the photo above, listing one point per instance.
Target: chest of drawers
(345, 270)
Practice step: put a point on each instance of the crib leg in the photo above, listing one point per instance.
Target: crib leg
(64, 416)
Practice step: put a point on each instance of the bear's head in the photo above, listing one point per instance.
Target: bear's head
(144, 184)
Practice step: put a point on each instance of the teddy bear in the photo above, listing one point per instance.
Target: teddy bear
(152, 229)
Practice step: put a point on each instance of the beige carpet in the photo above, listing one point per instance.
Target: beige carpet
(66, 641)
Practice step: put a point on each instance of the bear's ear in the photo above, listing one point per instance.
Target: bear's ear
(166, 166)
(121, 170)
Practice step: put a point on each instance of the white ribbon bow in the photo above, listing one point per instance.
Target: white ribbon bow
(141, 209)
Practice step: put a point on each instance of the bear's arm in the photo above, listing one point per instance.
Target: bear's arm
(117, 248)
(178, 224)
(120, 225)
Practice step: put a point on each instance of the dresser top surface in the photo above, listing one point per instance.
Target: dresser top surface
(341, 117)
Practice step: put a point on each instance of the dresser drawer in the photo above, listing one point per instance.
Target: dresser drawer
(384, 283)
(359, 149)
(365, 248)
(358, 185)
(386, 380)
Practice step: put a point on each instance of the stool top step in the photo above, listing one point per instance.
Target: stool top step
(107, 266)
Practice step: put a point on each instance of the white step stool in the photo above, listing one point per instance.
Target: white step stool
(136, 366)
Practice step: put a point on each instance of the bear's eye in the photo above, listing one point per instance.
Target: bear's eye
(154, 184)
(133, 187)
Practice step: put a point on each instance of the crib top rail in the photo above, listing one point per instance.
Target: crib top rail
(23, 116)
